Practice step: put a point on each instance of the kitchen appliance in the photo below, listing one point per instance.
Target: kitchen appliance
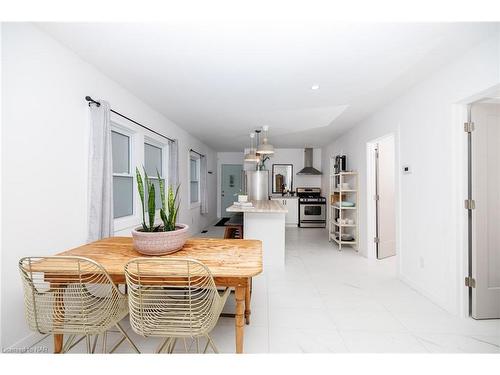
(256, 184)
(340, 163)
(308, 169)
(312, 208)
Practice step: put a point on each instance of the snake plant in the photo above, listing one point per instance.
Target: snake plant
(169, 205)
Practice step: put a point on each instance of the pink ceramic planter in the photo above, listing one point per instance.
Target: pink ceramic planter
(160, 243)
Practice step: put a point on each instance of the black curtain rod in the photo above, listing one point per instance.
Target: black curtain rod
(196, 152)
(92, 101)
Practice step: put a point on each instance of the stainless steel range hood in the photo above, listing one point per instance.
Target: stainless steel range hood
(308, 164)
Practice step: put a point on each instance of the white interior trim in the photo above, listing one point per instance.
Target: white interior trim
(193, 156)
(460, 168)
(370, 192)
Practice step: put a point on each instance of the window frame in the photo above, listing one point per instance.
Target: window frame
(193, 156)
(124, 222)
(164, 161)
(138, 137)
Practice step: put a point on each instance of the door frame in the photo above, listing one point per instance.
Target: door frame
(461, 116)
(219, 190)
(371, 221)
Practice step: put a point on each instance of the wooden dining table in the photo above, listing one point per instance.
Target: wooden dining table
(232, 262)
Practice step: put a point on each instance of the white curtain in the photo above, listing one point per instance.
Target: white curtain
(100, 193)
(203, 185)
(173, 164)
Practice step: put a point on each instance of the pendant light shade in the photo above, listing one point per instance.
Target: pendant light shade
(265, 147)
(251, 156)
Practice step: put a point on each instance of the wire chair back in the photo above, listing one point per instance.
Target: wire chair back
(65, 294)
(172, 297)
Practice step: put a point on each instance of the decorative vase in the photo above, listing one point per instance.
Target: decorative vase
(160, 243)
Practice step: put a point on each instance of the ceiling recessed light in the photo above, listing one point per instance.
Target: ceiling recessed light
(314, 87)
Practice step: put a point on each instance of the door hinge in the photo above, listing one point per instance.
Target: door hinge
(470, 204)
(376, 197)
(470, 282)
(468, 127)
(376, 240)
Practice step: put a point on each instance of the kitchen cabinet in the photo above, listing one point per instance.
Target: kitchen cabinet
(292, 205)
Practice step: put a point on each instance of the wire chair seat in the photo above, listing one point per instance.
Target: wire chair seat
(88, 320)
(71, 295)
(173, 298)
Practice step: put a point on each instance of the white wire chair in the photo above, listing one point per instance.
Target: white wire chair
(72, 296)
(173, 298)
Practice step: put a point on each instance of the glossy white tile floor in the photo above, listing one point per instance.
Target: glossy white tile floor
(326, 301)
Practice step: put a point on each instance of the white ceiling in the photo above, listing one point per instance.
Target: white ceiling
(221, 82)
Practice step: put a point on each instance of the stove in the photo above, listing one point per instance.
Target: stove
(312, 208)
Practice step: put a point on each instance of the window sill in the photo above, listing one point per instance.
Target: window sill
(126, 222)
(194, 205)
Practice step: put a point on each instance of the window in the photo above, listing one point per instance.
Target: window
(194, 179)
(123, 181)
(153, 163)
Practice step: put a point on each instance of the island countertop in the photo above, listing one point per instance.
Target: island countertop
(263, 206)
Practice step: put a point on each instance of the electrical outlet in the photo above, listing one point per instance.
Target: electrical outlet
(421, 262)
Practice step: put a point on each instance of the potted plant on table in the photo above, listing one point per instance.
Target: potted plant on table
(164, 238)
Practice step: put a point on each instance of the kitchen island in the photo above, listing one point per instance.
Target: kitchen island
(265, 221)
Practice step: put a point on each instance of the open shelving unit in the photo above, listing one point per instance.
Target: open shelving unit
(339, 193)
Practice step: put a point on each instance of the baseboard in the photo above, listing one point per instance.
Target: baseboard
(25, 343)
(426, 294)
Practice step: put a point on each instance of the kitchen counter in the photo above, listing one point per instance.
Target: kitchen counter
(267, 206)
(265, 221)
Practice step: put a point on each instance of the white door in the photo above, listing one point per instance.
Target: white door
(230, 185)
(385, 197)
(486, 215)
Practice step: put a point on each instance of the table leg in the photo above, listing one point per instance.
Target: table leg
(58, 343)
(58, 315)
(239, 321)
(248, 294)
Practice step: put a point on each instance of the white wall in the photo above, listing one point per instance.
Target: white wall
(293, 156)
(430, 139)
(44, 123)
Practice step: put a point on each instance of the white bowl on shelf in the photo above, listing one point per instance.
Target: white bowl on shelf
(347, 237)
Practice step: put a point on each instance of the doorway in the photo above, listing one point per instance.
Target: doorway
(382, 196)
(231, 184)
(483, 207)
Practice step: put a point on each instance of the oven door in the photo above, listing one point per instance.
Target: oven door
(312, 215)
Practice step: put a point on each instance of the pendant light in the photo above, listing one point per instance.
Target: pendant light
(251, 156)
(265, 147)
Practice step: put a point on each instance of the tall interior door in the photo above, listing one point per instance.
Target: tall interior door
(385, 198)
(485, 259)
(231, 184)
